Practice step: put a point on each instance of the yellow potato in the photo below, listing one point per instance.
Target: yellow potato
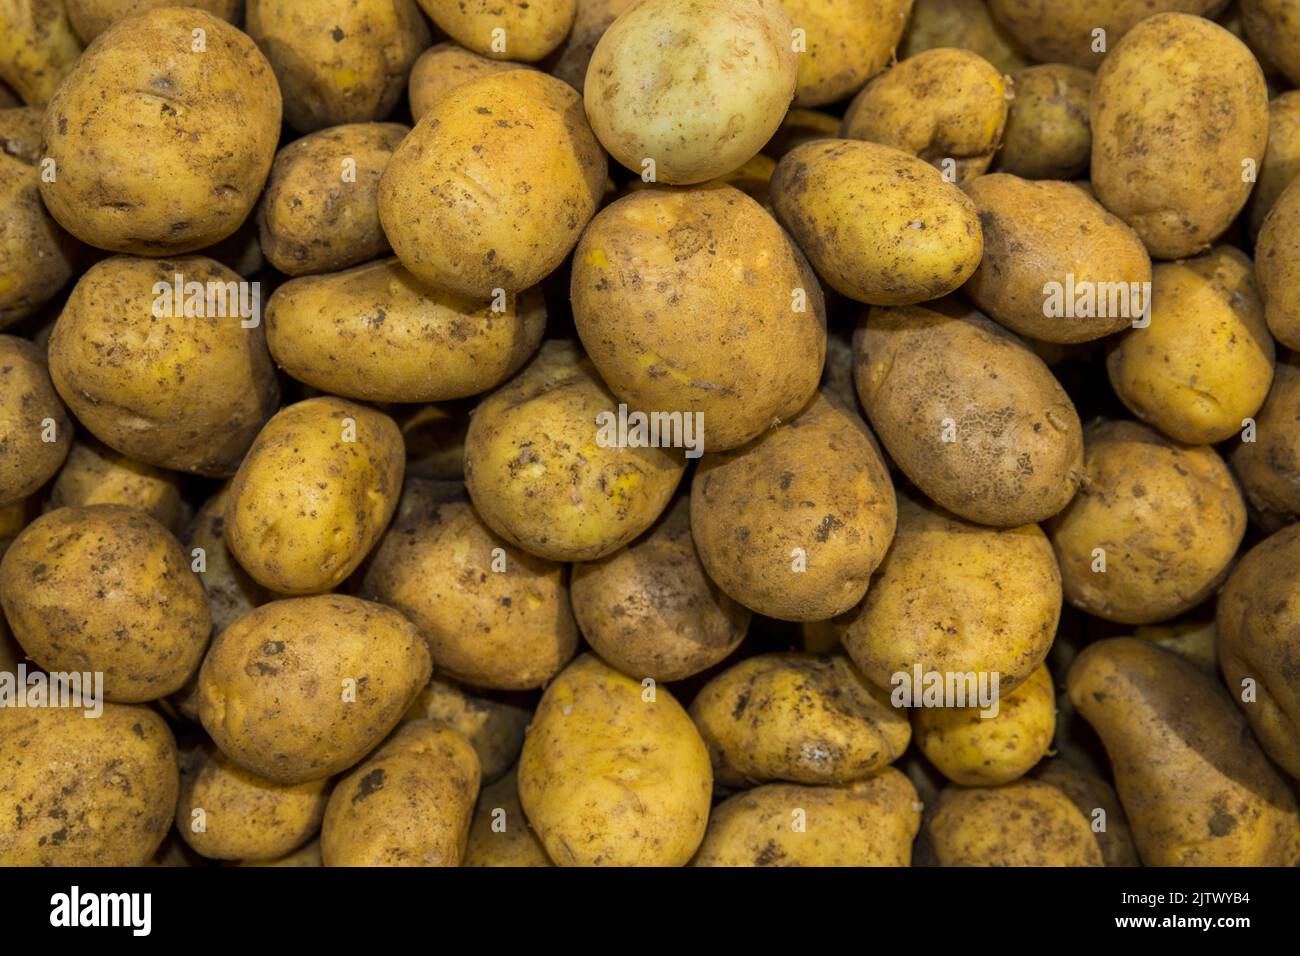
(231, 592)
(96, 475)
(1026, 823)
(1269, 467)
(494, 726)
(504, 31)
(37, 47)
(1277, 267)
(442, 68)
(1271, 28)
(1047, 134)
(90, 18)
(1281, 162)
(843, 44)
(964, 24)
(1090, 794)
(35, 431)
(499, 834)
(593, 18)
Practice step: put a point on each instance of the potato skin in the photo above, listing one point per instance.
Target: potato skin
(106, 588)
(964, 24)
(27, 401)
(1037, 233)
(272, 688)
(685, 301)
(37, 48)
(610, 778)
(1169, 518)
(1276, 270)
(569, 61)
(1025, 823)
(1270, 27)
(1089, 793)
(310, 218)
(926, 373)
(1195, 786)
(1281, 163)
(1205, 362)
(516, 844)
(299, 537)
(719, 90)
(854, 207)
(442, 68)
(90, 18)
(528, 31)
(494, 727)
(377, 334)
(1269, 467)
(868, 823)
(846, 44)
(81, 792)
(1047, 134)
(231, 592)
(1179, 104)
(96, 475)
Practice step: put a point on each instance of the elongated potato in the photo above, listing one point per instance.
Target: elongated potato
(499, 834)
(504, 31)
(1025, 823)
(1269, 467)
(35, 431)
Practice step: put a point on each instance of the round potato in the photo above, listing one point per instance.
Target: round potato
(1277, 267)
(37, 48)
(96, 475)
(593, 18)
(1269, 466)
(494, 727)
(499, 834)
(504, 31)
(1281, 163)
(1090, 793)
(445, 66)
(844, 45)
(964, 24)
(300, 689)
(35, 431)
(1025, 823)
(699, 103)
(1047, 134)
(90, 18)
(694, 302)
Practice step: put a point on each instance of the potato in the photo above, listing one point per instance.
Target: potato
(1281, 163)
(305, 537)
(799, 127)
(410, 804)
(868, 823)
(964, 24)
(614, 774)
(693, 301)
(231, 592)
(1270, 27)
(376, 333)
(308, 855)
(1057, 266)
(80, 792)
(1195, 786)
(1153, 528)
(445, 66)
(844, 45)
(227, 813)
(879, 226)
(969, 413)
(650, 610)
(495, 728)
(338, 61)
(958, 131)
(1194, 638)
(1205, 362)
(695, 87)
(1276, 268)
(37, 47)
(131, 176)
(499, 834)
(96, 475)
(1047, 134)
(1164, 159)
(592, 19)
(793, 524)
(1090, 793)
(539, 474)
(1269, 467)
(494, 616)
(90, 18)
(320, 211)
(494, 185)
(1025, 823)
(299, 689)
(1258, 641)
(35, 431)
(504, 31)
(106, 588)
(161, 361)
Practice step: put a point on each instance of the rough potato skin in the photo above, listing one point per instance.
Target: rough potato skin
(493, 725)
(1281, 163)
(90, 18)
(1277, 267)
(1169, 518)
(868, 823)
(569, 61)
(686, 300)
(186, 392)
(106, 588)
(1195, 786)
(203, 128)
(1177, 107)
(650, 610)
(1015, 452)
(1089, 793)
(964, 24)
(610, 777)
(516, 844)
(845, 44)
(96, 475)
(494, 185)
(231, 592)
(1269, 467)
(306, 537)
(310, 219)
(410, 804)
(273, 689)
(1047, 134)
(527, 31)
(37, 48)
(1025, 823)
(30, 409)
(1271, 28)
(880, 226)
(445, 66)
(84, 792)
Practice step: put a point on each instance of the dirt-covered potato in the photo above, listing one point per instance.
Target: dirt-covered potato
(1057, 266)
(499, 834)
(1179, 114)
(614, 773)
(1269, 466)
(1153, 528)
(35, 431)
(165, 361)
(131, 174)
(299, 536)
(338, 61)
(542, 475)
(376, 333)
(868, 823)
(38, 48)
(1195, 786)
(1277, 267)
(718, 87)
(964, 24)
(793, 525)
(494, 185)
(231, 592)
(495, 728)
(445, 66)
(409, 804)
(504, 31)
(1090, 794)
(1204, 364)
(1047, 134)
(1274, 33)
(227, 813)
(569, 61)
(1281, 163)
(1025, 823)
(96, 475)
(320, 211)
(695, 302)
(880, 226)
(90, 18)
(106, 589)
(84, 792)
(946, 106)
(843, 44)
(969, 413)
(299, 689)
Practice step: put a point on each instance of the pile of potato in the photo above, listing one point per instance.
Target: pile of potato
(967, 325)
